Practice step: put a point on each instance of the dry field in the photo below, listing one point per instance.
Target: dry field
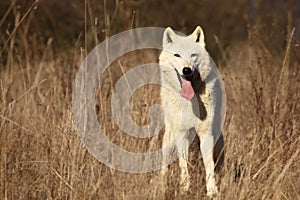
(42, 156)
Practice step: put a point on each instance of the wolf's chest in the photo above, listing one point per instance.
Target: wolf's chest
(183, 113)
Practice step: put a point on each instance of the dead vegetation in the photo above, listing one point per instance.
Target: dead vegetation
(42, 156)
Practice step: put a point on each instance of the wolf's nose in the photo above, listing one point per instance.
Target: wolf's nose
(186, 71)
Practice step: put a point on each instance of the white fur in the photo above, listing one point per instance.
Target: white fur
(179, 115)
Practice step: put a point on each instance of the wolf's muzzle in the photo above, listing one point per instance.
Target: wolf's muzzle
(188, 73)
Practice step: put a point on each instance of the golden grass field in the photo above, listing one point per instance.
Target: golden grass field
(42, 156)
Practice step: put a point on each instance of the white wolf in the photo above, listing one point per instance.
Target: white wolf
(193, 99)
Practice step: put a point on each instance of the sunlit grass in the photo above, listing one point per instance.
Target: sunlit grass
(42, 156)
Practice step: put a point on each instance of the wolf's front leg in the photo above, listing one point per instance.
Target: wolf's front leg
(168, 145)
(182, 145)
(207, 145)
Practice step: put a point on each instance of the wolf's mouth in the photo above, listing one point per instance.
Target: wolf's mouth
(187, 90)
(189, 77)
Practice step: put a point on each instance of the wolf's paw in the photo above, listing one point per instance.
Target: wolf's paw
(212, 192)
(185, 183)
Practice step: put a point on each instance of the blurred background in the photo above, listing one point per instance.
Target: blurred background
(229, 22)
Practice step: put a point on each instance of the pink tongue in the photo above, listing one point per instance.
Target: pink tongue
(187, 90)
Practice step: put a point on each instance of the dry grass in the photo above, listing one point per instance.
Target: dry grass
(43, 158)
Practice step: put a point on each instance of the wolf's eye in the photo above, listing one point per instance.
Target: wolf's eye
(177, 55)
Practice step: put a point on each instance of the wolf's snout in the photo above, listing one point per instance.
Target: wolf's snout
(187, 71)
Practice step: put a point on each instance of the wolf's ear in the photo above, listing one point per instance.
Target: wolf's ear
(198, 36)
(169, 36)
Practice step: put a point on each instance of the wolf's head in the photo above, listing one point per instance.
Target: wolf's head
(184, 55)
